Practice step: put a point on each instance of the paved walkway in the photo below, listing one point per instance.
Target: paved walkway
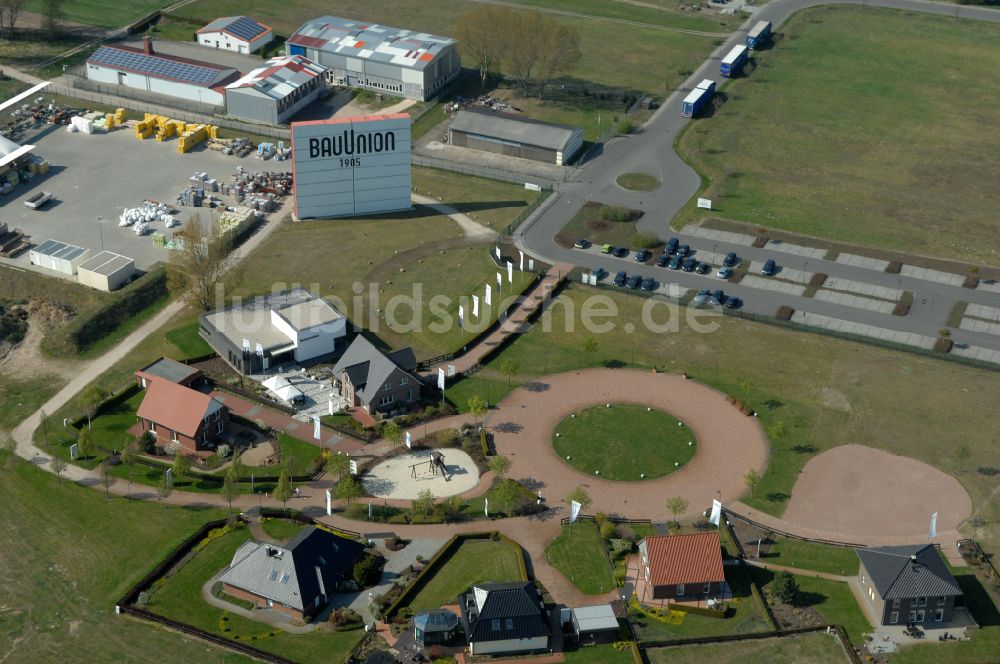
(472, 229)
(798, 571)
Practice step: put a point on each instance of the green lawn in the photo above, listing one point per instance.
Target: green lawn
(103, 14)
(810, 555)
(638, 182)
(825, 391)
(579, 554)
(745, 616)
(624, 442)
(20, 397)
(281, 529)
(848, 130)
(816, 648)
(602, 654)
(62, 540)
(587, 223)
(187, 340)
(475, 561)
(180, 598)
(494, 204)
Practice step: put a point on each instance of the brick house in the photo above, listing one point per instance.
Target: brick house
(908, 584)
(682, 567)
(167, 369)
(174, 413)
(376, 381)
(298, 579)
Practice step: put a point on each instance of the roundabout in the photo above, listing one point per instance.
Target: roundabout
(626, 442)
(727, 445)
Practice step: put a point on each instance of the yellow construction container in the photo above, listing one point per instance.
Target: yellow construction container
(119, 116)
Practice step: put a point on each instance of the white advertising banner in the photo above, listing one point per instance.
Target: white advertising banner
(441, 379)
(409, 441)
(574, 510)
(461, 316)
(933, 531)
(488, 298)
(316, 429)
(348, 166)
(510, 272)
(329, 503)
(475, 306)
(705, 203)
(354, 467)
(521, 267)
(716, 515)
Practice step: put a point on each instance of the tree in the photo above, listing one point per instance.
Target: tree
(589, 346)
(752, 479)
(785, 587)
(557, 54)
(166, 488)
(53, 14)
(348, 489)
(196, 268)
(509, 368)
(58, 465)
(85, 443)
(393, 433)
(506, 493)
(9, 11)
(480, 32)
(338, 464)
(477, 406)
(107, 478)
(237, 463)
(580, 495)
(500, 465)
(677, 505)
(8, 447)
(181, 466)
(522, 33)
(231, 488)
(92, 398)
(962, 454)
(129, 459)
(776, 431)
(283, 491)
(43, 419)
(424, 502)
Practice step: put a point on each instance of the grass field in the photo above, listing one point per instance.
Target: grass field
(638, 182)
(624, 442)
(602, 654)
(588, 224)
(804, 649)
(418, 255)
(21, 397)
(281, 529)
(579, 554)
(475, 561)
(188, 342)
(810, 555)
(491, 203)
(180, 598)
(101, 13)
(66, 541)
(826, 392)
(849, 130)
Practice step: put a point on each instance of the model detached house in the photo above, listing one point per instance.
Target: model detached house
(908, 584)
(177, 415)
(376, 381)
(682, 567)
(504, 618)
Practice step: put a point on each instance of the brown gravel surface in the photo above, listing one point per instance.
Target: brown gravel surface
(729, 443)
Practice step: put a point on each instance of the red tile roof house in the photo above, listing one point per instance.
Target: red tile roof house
(681, 567)
(176, 414)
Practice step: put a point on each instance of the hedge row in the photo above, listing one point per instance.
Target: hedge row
(90, 326)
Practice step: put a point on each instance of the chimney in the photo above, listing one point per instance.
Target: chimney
(147, 45)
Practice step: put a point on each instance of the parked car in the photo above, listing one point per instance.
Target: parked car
(733, 302)
(683, 250)
(599, 272)
(620, 252)
(730, 260)
(703, 268)
(634, 281)
(663, 260)
(671, 247)
(675, 262)
(648, 284)
(607, 249)
(719, 296)
(582, 243)
(642, 255)
(689, 265)
(724, 272)
(769, 266)
(703, 296)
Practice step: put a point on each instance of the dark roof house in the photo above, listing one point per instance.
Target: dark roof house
(504, 618)
(908, 583)
(297, 579)
(377, 381)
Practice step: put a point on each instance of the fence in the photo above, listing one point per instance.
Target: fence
(528, 211)
(295, 515)
(729, 638)
(818, 540)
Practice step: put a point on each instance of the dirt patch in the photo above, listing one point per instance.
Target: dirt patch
(793, 617)
(834, 398)
(25, 359)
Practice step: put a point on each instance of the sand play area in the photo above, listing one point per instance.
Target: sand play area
(394, 478)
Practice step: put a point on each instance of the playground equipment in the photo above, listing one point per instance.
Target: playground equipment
(434, 463)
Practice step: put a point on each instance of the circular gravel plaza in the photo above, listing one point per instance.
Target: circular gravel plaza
(404, 477)
(626, 442)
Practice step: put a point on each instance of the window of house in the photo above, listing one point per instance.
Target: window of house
(173, 436)
(894, 617)
(941, 600)
(921, 601)
(939, 615)
(495, 624)
(707, 588)
(895, 603)
(403, 381)
(386, 400)
(152, 427)
(912, 616)
(680, 589)
(509, 623)
(219, 427)
(920, 616)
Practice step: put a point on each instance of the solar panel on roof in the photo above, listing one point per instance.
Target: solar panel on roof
(147, 64)
(245, 28)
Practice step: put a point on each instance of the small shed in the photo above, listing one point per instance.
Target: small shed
(58, 256)
(107, 271)
(515, 136)
(239, 34)
(595, 623)
(436, 627)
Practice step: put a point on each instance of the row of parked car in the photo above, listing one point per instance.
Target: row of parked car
(676, 256)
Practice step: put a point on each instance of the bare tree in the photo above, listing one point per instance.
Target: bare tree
(53, 14)
(107, 478)
(557, 54)
(480, 32)
(58, 465)
(8, 447)
(166, 488)
(231, 488)
(92, 398)
(522, 32)
(9, 12)
(752, 479)
(477, 406)
(129, 459)
(194, 271)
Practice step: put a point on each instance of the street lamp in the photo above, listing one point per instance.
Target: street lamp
(100, 230)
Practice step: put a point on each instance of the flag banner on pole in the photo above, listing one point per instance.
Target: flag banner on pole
(496, 250)
(488, 298)
(531, 264)
(574, 510)
(441, 379)
(246, 345)
(461, 316)
(316, 432)
(499, 280)
(354, 467)
(409, 441)
(475, 306)
(486, 504)
(260, 351)
(369, 511)
(521, 266)
(716, 513)
(329, 503)
(510, 272)
(933, 531)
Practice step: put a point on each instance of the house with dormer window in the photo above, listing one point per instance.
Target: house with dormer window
(504, 618)
(377, 381)
(908, 584)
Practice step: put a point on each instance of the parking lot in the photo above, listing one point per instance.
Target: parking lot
(98, 175)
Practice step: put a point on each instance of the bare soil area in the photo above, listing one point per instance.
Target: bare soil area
(25, 359)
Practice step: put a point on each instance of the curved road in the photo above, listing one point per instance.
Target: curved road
(651, 150)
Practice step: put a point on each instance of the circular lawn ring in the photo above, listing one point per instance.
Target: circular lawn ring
(624, 442)
(638, 182)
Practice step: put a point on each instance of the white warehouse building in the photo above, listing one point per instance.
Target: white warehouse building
(240, 34)
(144, 69)
(276, 91)
(394, 61)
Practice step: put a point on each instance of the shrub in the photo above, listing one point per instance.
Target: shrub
(607, 530)
(784, 313)
(616, 213)
(943, 345)
(625, 127)
(970, 282)
(619, 548)
(484, 440)
(366, 570)
(785, 587)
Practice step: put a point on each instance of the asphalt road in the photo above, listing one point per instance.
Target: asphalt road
(651, 150)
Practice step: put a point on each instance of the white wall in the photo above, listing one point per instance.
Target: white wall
(225, 42)
(311, 342)
(510, 645)
(161, 86)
